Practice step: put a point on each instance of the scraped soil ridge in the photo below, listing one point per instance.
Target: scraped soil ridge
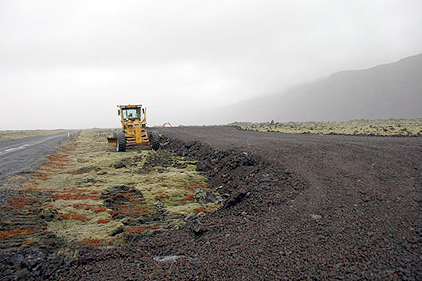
(296, 207)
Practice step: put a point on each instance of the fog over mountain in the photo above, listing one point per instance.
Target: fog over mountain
(391, 90)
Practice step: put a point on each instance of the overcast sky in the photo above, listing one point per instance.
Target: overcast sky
(67, 64)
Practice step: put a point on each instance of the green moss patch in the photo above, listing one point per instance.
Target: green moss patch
(18, 134)
(102, 196)
(390, 127)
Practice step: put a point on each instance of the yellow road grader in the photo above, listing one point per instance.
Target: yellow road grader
(134, 131)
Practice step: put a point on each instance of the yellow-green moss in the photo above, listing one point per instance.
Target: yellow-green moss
(92, 167)
(389, 127)
(18, 134)
(75, 230)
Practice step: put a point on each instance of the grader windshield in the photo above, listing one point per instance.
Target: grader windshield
(131, 113)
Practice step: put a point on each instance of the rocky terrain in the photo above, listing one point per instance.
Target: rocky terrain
(296, 206)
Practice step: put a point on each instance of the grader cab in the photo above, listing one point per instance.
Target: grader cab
(134, 131)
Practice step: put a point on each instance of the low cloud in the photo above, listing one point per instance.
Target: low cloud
(67, 64)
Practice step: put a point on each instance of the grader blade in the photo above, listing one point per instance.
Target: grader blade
(112, 141)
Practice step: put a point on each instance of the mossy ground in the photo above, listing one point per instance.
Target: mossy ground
(101, 196)
(17, 134)
(388, 127)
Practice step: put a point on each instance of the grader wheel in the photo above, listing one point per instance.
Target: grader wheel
(155, 140)
(120, 141)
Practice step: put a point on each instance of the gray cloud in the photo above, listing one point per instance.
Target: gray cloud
(77, 59)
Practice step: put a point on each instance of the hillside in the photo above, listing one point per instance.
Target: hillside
(391, 90)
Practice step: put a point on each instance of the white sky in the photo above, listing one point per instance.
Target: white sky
(67, 64)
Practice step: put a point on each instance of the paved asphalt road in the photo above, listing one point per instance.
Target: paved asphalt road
(27, 154)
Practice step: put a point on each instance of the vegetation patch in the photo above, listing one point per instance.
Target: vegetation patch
(98, 197)
(19, 202)
(18, 134)
(6, 234)
(389, 127)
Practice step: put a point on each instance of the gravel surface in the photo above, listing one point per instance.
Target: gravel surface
(298, 207)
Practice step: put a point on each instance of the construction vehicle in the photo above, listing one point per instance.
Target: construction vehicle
(165, 124)
(134, 131)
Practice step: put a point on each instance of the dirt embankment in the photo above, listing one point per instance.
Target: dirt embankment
(297, 207)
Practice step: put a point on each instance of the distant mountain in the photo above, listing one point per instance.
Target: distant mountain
(386, 91)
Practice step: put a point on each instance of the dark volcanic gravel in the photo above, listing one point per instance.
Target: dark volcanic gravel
(298, 207)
